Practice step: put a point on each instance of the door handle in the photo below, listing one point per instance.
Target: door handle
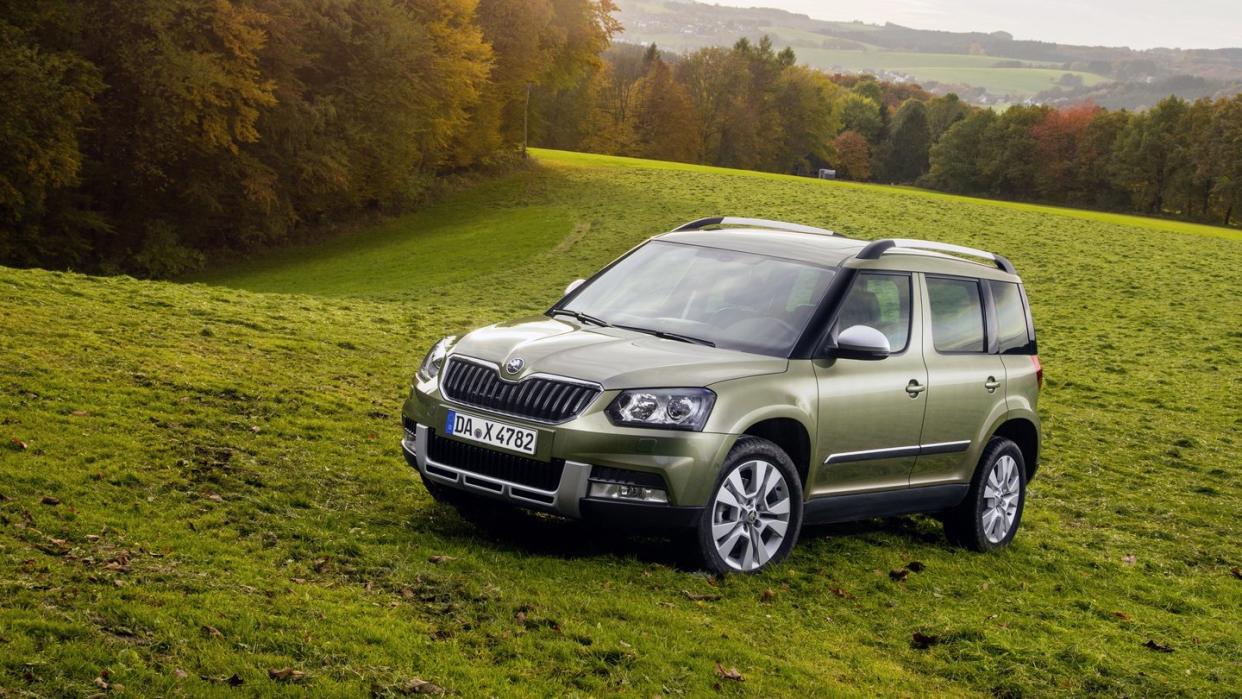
(914, 388)
(991, 384)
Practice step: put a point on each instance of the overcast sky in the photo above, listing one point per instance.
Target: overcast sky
(1138, 24)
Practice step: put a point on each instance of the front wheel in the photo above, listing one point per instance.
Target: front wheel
(754, 514)
(989, 516)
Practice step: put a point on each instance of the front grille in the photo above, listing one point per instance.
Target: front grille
(536, 397)
(544, 475)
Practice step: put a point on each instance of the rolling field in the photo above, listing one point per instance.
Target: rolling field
(201, 490)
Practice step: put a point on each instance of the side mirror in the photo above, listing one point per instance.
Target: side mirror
(573, 285)
(861, 342)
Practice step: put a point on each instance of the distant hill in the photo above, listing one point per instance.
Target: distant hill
(985, 68)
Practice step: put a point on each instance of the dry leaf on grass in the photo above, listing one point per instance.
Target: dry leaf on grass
(1129, 559)
(286, 674)
(439, 559)
(1158, 647)
(212, 631)
(418, 686)
(730, 673)
(841, 593)
(768, 595)
(18, 445)
(49, 500)
(700, 597)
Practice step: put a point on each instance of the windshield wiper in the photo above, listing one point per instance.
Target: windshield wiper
(669, 336)
(580, 316)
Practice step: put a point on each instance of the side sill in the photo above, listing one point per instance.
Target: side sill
(849, 508)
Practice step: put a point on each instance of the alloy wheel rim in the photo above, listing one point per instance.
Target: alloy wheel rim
(1001, 494)
(750, 515)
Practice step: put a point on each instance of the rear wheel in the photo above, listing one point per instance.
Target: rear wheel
(989, 517)
(754, 513)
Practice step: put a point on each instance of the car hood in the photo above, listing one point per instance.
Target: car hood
(612, 357)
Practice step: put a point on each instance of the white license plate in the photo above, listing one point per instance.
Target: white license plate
(490, 432)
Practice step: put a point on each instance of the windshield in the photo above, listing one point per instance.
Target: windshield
(735, 300)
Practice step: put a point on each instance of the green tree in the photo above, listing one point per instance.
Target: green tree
(47, 99)
(903, 157)
(1147, 156)
(1227, 130)
(1009, 152)
(862, 115)
(943, 112)
(955, 157)
(1093, 161)
(804, 103)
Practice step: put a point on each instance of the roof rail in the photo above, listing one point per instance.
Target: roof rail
(875, 248)
(702, 223)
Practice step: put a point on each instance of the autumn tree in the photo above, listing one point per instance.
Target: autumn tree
(1058, 138)
(663, 121)
(853, 156)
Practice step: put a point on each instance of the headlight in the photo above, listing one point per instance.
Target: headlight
(669, 408)
(434, 361)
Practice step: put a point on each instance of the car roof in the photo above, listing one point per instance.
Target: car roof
(832, 250)
(827, 250)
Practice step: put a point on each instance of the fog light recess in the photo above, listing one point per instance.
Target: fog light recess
(624, 491)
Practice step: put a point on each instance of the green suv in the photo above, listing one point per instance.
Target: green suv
(738, 378)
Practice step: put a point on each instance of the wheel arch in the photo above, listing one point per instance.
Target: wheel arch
(1024, 432)
(791, 435)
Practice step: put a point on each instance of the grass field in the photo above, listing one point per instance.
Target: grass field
(200, 482)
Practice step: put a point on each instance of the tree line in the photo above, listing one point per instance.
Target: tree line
(146, 135)
(753, 107)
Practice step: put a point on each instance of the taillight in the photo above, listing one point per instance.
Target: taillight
(1039, 371)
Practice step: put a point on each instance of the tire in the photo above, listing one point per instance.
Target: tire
(982, 522)
(754, 512)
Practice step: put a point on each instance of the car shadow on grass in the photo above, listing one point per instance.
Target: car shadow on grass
(529, 533)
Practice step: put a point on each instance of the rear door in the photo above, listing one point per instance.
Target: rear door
(869, 418)
(965, 378)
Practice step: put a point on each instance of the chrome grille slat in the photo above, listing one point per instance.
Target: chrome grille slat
(536, 397)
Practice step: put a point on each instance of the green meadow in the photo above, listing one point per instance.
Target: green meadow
(202, 493)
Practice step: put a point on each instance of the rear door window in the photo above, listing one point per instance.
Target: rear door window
(957, 314)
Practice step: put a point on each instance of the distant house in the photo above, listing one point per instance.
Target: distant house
(827, 174)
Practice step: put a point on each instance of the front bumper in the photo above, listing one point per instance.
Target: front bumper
(687, 462)
(569, 499)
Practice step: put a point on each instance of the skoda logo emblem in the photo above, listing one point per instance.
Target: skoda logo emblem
(514, 365)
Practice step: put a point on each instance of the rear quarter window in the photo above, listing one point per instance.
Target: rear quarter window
(1014, 336)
